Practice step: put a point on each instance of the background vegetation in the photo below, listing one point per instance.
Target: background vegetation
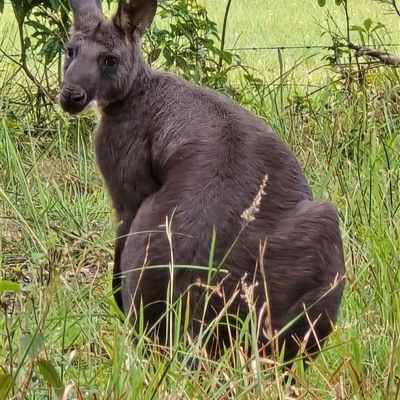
(60, 336)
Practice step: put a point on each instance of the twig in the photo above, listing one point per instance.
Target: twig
(224, 26)
(346, 11)
(396, 8)
(23, 64)
(369, 66)
(383, 56)
(392, 3)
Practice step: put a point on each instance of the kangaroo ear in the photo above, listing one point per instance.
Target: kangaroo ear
(134, 17)
(84, 11)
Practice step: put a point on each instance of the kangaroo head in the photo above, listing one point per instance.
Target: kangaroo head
(103, 58)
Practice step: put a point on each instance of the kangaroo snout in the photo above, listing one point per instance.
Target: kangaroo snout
(73, 99)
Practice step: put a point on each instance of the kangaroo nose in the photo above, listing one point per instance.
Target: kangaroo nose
(77, 97)
(73, 100)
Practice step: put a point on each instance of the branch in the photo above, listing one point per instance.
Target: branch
(383, 56)
(396, 8)
(391, 3)
(23, 64)
(228, 6)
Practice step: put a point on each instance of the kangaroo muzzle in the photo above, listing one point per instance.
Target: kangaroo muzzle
(73, 99)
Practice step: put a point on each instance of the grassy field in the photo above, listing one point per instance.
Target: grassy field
(267, 23)
(61, 335)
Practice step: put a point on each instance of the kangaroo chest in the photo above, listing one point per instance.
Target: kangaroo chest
(124, 162)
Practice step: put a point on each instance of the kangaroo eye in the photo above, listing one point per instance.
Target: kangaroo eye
(111, 61)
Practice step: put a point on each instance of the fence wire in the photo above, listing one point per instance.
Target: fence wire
(298, 47)
(267, 48)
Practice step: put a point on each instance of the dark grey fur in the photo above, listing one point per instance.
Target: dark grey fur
(169, 148)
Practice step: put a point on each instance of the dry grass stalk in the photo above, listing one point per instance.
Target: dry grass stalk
(247, 290)
(248, 214)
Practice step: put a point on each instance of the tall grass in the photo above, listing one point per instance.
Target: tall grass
(57, 231)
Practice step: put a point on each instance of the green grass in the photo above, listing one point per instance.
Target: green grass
(267, 23)
(56, 232)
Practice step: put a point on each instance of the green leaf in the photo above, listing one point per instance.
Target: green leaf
(27, 41)
(321, 3)
(227, 57)
(39, 27)
(55, 4)
(51, 376)
(368, 24)
(338, 2)
(1, 6)
(5, 385)
(33, 343)
(357, 28)
(377, 26)
(8, 286)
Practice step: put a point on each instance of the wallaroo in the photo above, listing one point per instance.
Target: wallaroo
(189, 170)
